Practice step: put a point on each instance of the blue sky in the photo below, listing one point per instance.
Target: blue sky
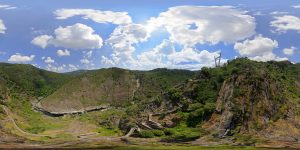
(64, 35)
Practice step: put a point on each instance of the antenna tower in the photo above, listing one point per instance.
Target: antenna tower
(218, 59)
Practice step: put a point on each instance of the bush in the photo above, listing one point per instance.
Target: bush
(174, 94)
(146, 134)
(158, 133)
(182, 137)
(169, 132)
(200, 113)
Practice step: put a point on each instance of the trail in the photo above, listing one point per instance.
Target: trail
(7, 112)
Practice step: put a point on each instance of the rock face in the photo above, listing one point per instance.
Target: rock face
(250, 103)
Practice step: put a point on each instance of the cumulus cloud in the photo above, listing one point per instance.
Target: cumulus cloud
(289, 51)
(61, 53)
(49, 60)
(95, 15)
(123, 38)
(165, 55)
(2, 27)
(260, 48)
(42, 40)
(285, 23)
(19, 58)
(189, 25)
(187, 58)
(77, 36)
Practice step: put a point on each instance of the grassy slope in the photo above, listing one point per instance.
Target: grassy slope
(113, 86)
(34, 81)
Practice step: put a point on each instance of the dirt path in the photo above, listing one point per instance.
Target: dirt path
(7, 112)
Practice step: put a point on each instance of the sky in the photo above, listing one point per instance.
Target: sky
(65, 35)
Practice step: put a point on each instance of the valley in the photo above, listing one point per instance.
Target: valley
(242, 105)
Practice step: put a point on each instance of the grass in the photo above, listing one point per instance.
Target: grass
(108, 132)
(31, 121)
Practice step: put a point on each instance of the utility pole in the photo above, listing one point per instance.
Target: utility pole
(218, 59)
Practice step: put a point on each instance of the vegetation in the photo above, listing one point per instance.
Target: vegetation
(256, 95)
(37, 82)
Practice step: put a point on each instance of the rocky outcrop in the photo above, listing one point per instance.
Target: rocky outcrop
(248, 106)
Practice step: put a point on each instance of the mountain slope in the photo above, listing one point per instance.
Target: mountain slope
(243, 102)
(242, 98)
(111, 87)
(34, 81)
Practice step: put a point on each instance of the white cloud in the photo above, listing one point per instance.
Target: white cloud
(72, 67)
(187, 58)
(19, 58)
(95, 15)
(85, 61)
(260, 48)
(77, 36)
(7, 7)
(296, 6)
(42, 40)
(189, 25)
(123, 38)
(49, 60)
(2, 27)
(165, 55)
(61, 68)
(55, 68)
(289, 51)
(278, 13)
(285, 23)
(61, 53)
(88, 54)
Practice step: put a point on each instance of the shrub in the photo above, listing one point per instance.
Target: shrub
(182, 137)
(158, 133)
(174, 95)
(146, 134)
(169, 132)
(200, 113)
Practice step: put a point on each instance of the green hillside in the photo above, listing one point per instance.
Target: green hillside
(113, 87)
(250, 101)
(34, 81)
(243, 102)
